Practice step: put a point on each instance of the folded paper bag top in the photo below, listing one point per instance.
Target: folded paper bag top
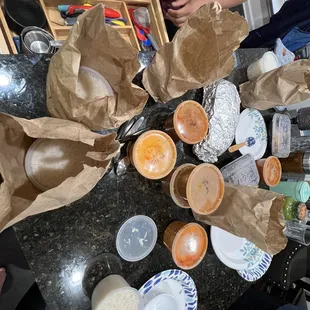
(100, 47)
(200, 53)
(286, 85)
(19, 198)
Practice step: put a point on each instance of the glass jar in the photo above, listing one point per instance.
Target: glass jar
(294, 210)
(298, 162)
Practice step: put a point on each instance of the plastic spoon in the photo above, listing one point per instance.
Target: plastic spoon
(250, 141)
(141, 19)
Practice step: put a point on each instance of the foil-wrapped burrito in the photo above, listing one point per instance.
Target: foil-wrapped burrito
(221, 101)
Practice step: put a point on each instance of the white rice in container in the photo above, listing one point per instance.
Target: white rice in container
(92, 85)
(49, 162)
(124, 299)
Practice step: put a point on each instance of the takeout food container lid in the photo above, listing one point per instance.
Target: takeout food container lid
(154, 154)
(188, 243)
(190, 122)
(205, 189)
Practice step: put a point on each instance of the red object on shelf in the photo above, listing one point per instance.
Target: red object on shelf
(73, 9)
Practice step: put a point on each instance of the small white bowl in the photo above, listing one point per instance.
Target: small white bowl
(163, 302)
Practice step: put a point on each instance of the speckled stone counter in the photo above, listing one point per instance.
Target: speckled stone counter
(60, 244)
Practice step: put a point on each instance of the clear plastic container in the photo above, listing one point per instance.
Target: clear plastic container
(281, 135)
(242, 171)
(136, 238)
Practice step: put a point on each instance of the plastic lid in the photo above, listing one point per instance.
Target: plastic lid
(178, 184)
(242, 171)
(272, 171)
(154, 154)
(49, 162)
(189, 246)
(136, 238)
(281, 135)
(190, 122)
(304, 191)
(270, 61)
(101, 77)
(205, 189)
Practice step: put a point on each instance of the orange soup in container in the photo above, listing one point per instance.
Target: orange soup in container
(153, 154)
(188, 123)
(188, 243)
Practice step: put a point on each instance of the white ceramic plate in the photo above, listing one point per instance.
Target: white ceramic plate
(174, 282)
(252, 124)
(235, 252)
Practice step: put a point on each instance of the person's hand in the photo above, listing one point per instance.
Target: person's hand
(182, 9)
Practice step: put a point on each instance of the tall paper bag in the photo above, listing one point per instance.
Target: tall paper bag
(200, 53)
(19, 198)
(94, 44)
(251, 213)
(286, 85)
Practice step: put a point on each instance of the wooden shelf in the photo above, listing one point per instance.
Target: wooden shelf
(158, 28)
(7, 45)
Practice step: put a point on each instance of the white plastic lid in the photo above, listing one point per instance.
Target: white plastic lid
(270, 61)
(99, 76)
(162, 302)
(136, 238)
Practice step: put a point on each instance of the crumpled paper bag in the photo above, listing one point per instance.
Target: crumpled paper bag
(286, 85)
(200, 53)
(19, 198)
(251, 213)
(100, 47)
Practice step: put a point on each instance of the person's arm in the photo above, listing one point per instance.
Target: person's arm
(182, 9)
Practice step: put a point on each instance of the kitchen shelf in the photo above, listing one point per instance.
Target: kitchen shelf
(158, 29)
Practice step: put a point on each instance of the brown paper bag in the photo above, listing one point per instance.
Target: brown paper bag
(251, 213)
(19, 198)
(200, 53)
(100, 47)
(286, 85)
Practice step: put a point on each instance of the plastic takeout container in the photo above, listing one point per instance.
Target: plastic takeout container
(188, 243)
(242, 171)
(100, 77)
(136, 238)
(269, 61)
(280, 135)
(175, 184)
(112, 285)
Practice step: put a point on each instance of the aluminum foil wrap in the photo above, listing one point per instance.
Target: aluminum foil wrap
(221, 101)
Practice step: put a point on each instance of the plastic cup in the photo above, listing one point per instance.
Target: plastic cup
(205, 189)
(188, 243)
(269, 170)
(175, 184)
(267, 62)
(153, 154)
(298, 232)
(112, 285)
(189, 123)
(299, 191)
(136, 238)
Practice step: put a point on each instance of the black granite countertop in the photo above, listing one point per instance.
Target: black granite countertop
(60, 244)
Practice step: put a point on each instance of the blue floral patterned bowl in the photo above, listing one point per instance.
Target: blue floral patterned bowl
(175, 282)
